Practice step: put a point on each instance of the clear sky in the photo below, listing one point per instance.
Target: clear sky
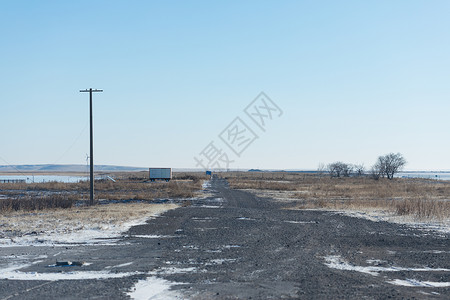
(353, 79)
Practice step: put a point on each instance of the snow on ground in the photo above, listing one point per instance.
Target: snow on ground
(417, 283)
(149, 288)
(337, 262)
(369, 213)
(378, 215)
(93, 225)
(206, 184)
(75, 275)
(300, 222)
(153, 288)
(13, 271)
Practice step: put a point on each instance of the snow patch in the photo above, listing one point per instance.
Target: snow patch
(24, 257)
(206, 184)
(220, 261)
(119, 266)
(151, 236)
(173, 270)
(301, 222)
(153, 288)
(337, 262)
(375, 261)
(204, 229)
(377, 215)
(13, 273)
(209, 206)
(230, 246)
(416, 283)
(90, 234)
(192, 247)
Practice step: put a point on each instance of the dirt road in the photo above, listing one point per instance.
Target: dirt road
(235, 245)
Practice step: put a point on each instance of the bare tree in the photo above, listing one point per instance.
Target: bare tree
(359, 169)
(389, 165)
(347, 170)
(375, 172)
(338, 169)
(321, 169)
(335, 169)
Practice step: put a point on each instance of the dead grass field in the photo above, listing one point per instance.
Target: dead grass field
(128, 186)
(421, 198)
(56, 211)
(73, 220)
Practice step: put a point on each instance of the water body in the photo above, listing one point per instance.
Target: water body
(426, 175)
(45, 178)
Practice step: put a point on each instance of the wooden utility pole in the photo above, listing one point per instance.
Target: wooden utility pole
(91, 201)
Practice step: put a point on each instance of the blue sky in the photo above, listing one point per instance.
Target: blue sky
(354, 79)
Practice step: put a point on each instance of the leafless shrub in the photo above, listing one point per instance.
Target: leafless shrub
(340, 169)
(423, 208)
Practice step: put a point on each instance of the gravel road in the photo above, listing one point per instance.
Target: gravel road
(235, 245)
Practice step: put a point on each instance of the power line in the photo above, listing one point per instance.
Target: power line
(73, 144)
(12, 166)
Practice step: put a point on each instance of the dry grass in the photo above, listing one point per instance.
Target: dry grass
(63, 221)
(128, 186)
(48, 210)
(37, 203)
(421, 198)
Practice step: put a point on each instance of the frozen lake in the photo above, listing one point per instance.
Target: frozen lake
(45, 178)
(427, 175)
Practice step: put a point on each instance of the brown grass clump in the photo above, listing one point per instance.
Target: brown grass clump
(423, 208)
(36, 203)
